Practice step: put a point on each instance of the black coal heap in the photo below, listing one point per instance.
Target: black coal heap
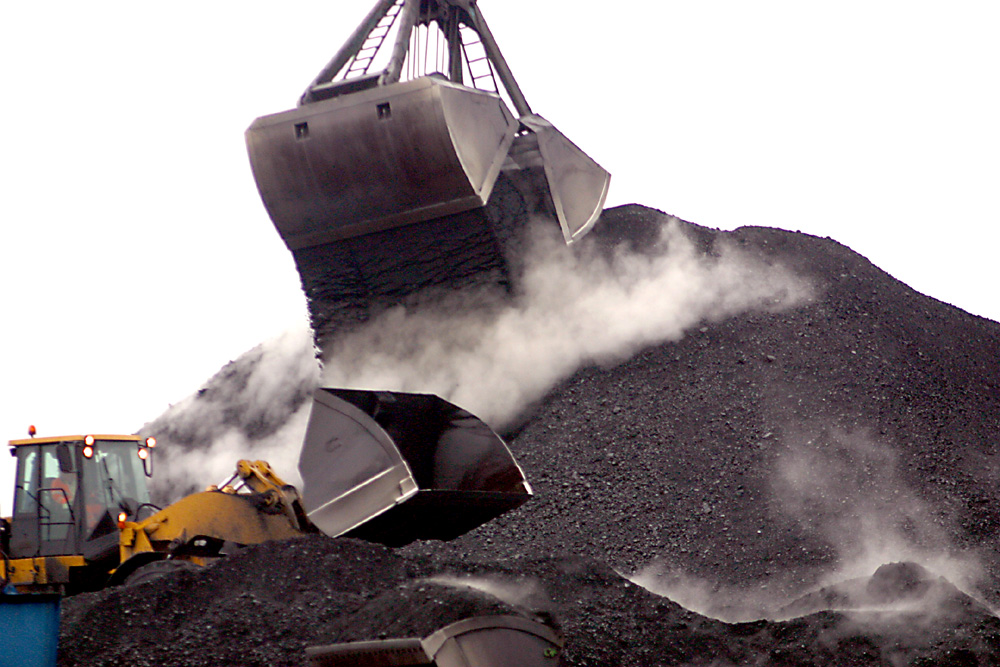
(771, 447)
(757, 457)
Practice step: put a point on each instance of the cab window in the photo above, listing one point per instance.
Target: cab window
(114, 474)
(26, 489)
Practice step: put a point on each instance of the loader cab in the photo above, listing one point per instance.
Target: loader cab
(71, 492)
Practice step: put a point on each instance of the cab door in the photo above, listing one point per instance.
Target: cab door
(45, 517)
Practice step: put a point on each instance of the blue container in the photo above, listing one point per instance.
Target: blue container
(29, 630)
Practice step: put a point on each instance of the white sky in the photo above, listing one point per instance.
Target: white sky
(137, 258)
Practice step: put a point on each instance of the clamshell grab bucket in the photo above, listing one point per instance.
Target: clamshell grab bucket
(413, 164)
(479, 641)
(392, 467)
(376, 159)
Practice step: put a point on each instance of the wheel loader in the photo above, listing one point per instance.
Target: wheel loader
(383, 466)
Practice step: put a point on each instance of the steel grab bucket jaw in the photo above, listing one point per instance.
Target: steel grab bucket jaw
(379, 158)
(576, 185)
(394, 467)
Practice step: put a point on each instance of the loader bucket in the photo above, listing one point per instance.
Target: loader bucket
(378, 158)
(481, 641)
(393, 467)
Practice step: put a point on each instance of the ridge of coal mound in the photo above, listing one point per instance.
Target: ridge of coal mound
(768, 450)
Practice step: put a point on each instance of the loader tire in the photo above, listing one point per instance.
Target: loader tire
(157, 569)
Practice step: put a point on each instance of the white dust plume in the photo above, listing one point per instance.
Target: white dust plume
(519, 592)
(850, 487)
(254, 408)
(845, 488)
(494, 357)
(488, 352)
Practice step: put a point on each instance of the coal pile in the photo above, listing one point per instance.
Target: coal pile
(746, 470)
(762, 453)
(260, 607)
(898, 586)
(263, 606)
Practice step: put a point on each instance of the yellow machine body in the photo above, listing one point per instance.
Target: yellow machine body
(81, 553)
(388, 467)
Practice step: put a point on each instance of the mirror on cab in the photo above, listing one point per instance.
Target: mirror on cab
(65, 456)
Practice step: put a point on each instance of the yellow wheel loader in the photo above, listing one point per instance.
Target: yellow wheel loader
(384, 466)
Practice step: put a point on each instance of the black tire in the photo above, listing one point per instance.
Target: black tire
(157, 569)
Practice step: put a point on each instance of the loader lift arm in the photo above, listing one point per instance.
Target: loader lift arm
(258, 508)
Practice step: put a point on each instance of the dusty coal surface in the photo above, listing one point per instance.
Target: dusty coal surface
(263, 606)
(763, 466)
(259, 607)
(768, 450)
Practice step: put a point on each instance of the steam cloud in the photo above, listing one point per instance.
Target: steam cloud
(485, 351)
(495, 356)
(849, 486)
(519, 592)
(846, 488)
(255, 408)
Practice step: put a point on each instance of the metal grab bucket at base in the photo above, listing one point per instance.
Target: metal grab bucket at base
(29, 630)
(481, 641)
(393, 467)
